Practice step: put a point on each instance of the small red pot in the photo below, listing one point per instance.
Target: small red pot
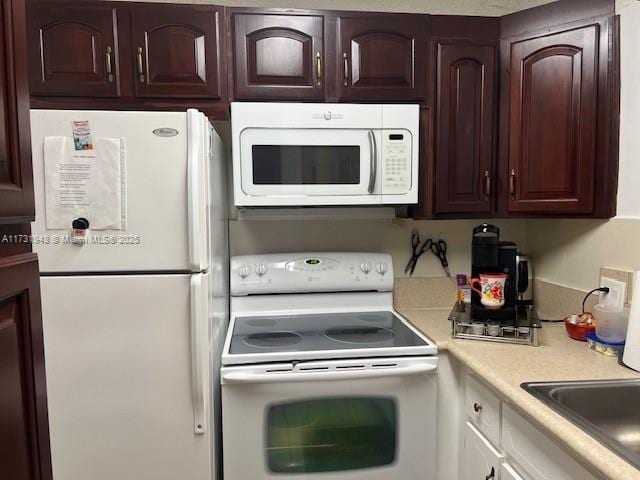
(578, 332)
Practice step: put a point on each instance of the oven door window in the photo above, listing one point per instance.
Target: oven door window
(331, 434)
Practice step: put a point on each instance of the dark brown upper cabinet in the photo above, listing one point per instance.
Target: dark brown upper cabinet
(73, 50)
(381, 58)
(16, 180)
(464, 127)
(278, 56)
(151, 56)
(176, 50)
(553, 101)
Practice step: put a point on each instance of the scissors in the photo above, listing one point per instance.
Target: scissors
(439, 249)
(417, 250)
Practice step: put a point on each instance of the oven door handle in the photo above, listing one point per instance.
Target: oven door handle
(373, 161)
(316, 376)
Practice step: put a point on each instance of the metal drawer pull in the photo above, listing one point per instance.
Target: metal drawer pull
(107, 60)
(477, 407)
(491, 475)
(140, 65)
(512, 183)
(487, 184)
(345, 60)
(318, 67)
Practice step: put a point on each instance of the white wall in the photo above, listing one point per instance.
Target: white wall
(392, 236)
(629, 178)
(452, 7)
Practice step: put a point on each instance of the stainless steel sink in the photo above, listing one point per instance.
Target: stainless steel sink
(609, 410)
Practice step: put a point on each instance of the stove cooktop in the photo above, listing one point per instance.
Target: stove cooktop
(304, 336)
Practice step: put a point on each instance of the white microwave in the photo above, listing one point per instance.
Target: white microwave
(303, 154)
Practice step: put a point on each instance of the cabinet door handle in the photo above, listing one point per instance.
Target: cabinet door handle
(345, 61)
(140, 65)
(512, 183)
(487, 184)
(477, 407)
(491, 475)
(318, 67)
(107, 61)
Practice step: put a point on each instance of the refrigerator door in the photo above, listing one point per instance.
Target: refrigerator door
(166, 193)
(128, 376)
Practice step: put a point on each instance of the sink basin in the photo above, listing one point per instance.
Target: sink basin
(609, 410)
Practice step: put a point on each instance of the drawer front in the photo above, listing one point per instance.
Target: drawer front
(507, 472)
(480, 458)
(482, 407)
(539, 456)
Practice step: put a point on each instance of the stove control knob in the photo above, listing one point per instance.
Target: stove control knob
(244, 271)
(381, 268)
(365, 266)
(261, 269)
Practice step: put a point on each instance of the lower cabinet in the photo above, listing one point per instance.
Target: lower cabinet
(498, 443)
(480, 459)
(532, 450)
(24, 434)
(507, 472)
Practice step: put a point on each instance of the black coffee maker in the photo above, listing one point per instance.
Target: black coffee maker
(490, 255)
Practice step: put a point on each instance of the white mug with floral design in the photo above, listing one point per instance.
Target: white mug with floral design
(491, 289)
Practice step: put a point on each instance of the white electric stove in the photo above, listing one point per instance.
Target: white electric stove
(321, 376)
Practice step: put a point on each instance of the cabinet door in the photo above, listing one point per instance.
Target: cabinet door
(464, 143)
(536, 453)
(507, 472)
(24, 432)
(381, 58)
(73, 50)
(552, 122)
(278, 56)
(176, 50)
(479, 459)
(16, 181)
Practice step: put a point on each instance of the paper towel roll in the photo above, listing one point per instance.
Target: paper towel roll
(631, 355)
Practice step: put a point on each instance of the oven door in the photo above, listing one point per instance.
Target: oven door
(298, 164)
(356, 419)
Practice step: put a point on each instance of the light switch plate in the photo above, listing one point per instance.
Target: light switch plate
(617, 292)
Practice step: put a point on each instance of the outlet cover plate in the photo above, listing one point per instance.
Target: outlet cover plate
(622, 275)
(617, 292)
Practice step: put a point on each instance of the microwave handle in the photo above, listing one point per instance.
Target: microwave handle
(372, 161)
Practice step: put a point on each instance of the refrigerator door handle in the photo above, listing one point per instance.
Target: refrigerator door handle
(198, 337)
(196, 195)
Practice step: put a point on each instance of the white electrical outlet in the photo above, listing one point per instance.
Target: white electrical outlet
(617, 292)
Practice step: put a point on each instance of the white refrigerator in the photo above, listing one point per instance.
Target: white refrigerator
(134, 324)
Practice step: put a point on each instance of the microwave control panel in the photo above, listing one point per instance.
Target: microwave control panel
(396, 161)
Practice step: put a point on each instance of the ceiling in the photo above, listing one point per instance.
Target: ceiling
(453, 7)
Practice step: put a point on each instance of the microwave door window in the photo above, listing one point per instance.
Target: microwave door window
(306, 164)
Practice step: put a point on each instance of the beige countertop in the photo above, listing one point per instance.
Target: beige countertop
(504, 367)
